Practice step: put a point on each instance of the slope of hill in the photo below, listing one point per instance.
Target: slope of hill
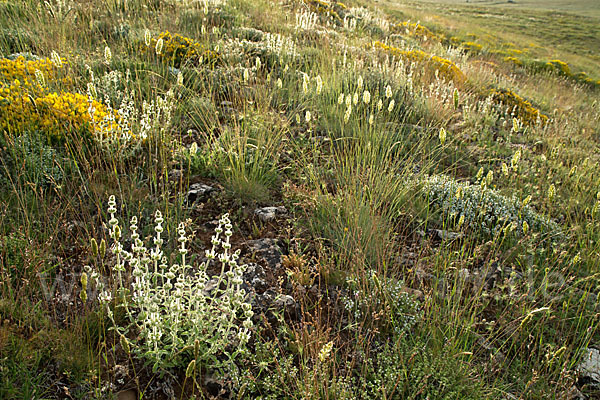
(298, 199)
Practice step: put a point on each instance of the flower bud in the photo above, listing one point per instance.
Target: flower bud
(94, 247)
(102, 248)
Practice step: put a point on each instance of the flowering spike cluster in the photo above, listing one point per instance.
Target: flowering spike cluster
(174, 308)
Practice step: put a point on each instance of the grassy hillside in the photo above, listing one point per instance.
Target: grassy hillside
(538, 32)
(298, 199)
(585, 8)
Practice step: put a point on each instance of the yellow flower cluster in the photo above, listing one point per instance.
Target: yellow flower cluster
(447, 69)
(583, 77)
(25, 102)
(513, 60)
(53, 113)
(521, 108)
(562, 68)
(177, 48)
(23, 69)
(559, 66)
(330, 8)
(472, 47)
(417, 30)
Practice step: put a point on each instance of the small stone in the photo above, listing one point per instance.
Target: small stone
(255, 277)
(589, 369)
(175, 175)
(198, 192)
(127, 395)
(285, 302)
(447, 235)
(267, 249)
(267, 214)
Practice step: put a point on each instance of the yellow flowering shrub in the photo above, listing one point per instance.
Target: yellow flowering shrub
(472, 47)
(330, 8)
(417, 30)
(30, 72)
(562, 68)
(514, 52)
(177, 48)
(521, 108)
(53, 113)
(559, 66)
(447, 69)
(26, 102)
(513, 60)
(23, 69)
(583, 77)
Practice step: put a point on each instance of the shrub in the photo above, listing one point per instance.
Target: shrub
(404, 370)
(333, 9)
(54, 113)
(177, 49)
(27, 103)
(25, 69)
(472, 47)
(177, 313)
(380, 294)
(447, 69)
(513, 60)
(482, 209)
(418, 30)
(561, 67)
(518, 107)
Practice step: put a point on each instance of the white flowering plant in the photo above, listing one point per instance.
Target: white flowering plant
(177, 315)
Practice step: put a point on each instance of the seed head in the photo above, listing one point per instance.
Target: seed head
(159, 46)
(366, 97)
(388, 91)
(107, 54)
(56, 59)
(442, 136)
(147, 38)
(391, 105)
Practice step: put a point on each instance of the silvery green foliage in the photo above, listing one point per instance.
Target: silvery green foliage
(483, 208)
(177, 312)
(382, 293)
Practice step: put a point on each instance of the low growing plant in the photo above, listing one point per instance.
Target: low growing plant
(177, 315)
